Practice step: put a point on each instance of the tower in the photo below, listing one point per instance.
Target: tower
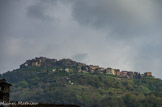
(4, 90)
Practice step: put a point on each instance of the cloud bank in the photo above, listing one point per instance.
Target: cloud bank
(121, 34)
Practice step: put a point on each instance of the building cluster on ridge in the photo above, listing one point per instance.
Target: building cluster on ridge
(39, 61)
(68, 63)
(116, 72)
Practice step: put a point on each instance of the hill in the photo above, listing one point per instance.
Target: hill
(69, 82)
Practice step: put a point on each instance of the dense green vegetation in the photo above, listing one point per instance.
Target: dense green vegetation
(41, 84)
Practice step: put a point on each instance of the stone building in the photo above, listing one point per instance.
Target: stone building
(113, 71)
(108, 71)
(67, 69)
(117, 72)
(124, 73)
(4, 91)
(148, 73)
(130, 74)
(39, 61)
(137, 75)
(92, 68)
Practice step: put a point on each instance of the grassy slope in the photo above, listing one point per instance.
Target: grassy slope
(84, 89)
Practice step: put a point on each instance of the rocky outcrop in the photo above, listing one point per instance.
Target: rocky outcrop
(43, 61)
(39, 61)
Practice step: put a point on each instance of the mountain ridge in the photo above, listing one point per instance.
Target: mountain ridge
(81, 67)
(64, 84)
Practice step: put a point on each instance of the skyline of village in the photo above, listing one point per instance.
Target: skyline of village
(43, 61)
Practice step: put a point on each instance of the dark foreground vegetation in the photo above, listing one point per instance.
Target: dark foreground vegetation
(55, 85)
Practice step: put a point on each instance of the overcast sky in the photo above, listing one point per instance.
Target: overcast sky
(124, 34)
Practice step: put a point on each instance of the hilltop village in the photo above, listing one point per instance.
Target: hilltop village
(67, 64)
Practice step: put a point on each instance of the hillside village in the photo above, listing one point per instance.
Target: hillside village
(69, 82)
(80, 67)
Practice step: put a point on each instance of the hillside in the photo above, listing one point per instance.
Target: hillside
(69, 82)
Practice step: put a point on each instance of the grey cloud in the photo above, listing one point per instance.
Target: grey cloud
(80, 57)
(111, 33)
(120, 18)
(3, 15)
(135, 23)
(5, 10)
(39, 10)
